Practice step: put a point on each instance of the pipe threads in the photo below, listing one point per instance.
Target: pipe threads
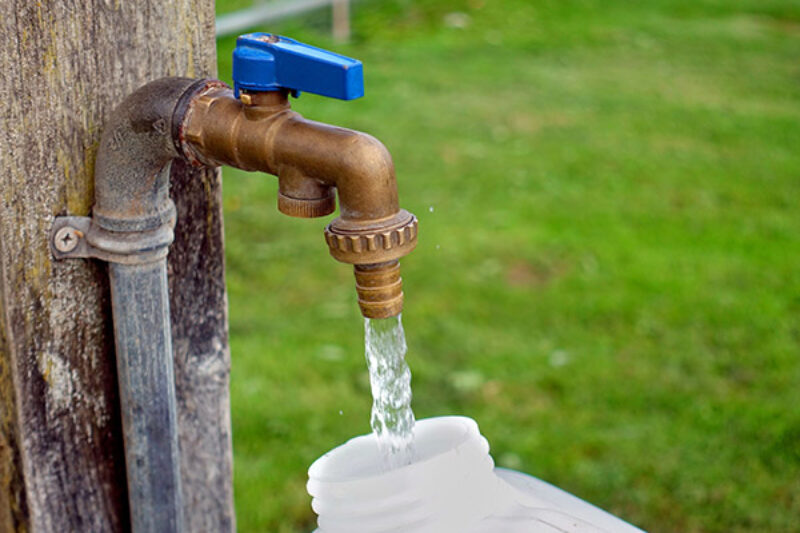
(380, 289)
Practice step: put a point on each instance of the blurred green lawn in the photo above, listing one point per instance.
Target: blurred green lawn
(608, 272)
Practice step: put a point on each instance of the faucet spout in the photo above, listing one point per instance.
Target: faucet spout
(355, 163)
(312, 160)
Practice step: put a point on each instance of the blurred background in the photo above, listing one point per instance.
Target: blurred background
(608, 271)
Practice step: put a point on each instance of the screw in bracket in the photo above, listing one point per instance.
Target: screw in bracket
(67, 238)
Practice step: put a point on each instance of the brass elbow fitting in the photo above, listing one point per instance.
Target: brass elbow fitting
(259, 131)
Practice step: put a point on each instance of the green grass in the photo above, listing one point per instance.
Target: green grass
(608, 272)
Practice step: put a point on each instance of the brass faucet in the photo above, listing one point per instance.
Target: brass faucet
(259, 131)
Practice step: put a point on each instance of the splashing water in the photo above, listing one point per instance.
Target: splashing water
(390, 379)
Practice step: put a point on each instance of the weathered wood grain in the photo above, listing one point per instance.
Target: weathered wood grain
(64, 65)
(198, 305)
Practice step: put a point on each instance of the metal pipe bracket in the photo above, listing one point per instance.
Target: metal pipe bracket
(74, 237)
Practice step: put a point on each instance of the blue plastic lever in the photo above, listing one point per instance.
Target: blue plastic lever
(267, 62)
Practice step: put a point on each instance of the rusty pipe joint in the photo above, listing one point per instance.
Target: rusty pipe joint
(260, 132)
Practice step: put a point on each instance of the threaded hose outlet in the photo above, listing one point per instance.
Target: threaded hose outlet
(380, 289)
(374, 247)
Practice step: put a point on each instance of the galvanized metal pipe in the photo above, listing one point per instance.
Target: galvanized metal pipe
(131, 228)
(140, 303)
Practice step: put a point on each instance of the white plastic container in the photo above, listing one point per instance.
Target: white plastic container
(451, 487)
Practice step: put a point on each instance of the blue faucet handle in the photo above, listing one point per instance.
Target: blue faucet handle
(267, 62)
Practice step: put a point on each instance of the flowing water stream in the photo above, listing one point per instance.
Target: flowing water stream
(390, 379)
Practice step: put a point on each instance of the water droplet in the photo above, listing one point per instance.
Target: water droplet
(559, 358)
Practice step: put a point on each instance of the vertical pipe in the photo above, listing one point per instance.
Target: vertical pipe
(140, 303)
(341, 20)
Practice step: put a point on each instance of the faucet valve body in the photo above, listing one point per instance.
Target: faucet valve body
(254, 128)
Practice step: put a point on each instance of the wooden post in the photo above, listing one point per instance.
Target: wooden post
(64, 65)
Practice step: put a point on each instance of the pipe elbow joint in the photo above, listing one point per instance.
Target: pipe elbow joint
(136, 149)
(133, 216)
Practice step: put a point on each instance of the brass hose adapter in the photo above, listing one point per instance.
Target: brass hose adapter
(380, 289)
(374, 247)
